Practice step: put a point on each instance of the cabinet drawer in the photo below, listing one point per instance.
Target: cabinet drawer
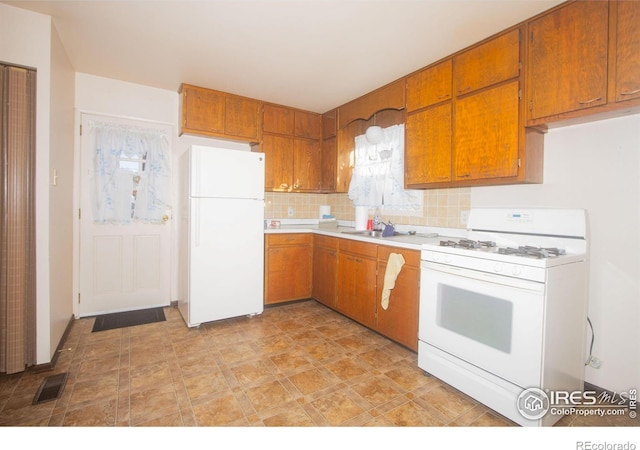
(325, 241)
(289, 239)
(411, 257)
(357, 247)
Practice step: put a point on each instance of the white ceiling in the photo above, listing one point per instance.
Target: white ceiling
(309, 54)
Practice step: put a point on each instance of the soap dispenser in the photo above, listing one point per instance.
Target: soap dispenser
(377, 222)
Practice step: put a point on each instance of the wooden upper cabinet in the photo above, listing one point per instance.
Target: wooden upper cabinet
(307, 160)
(307, 125)
(279, 155)
(277, 119)
(486, 139)
(427, 154)
(329, 151)
(329, 124)
(328, 164)
(487, 64)
(214, 113)
(625, 38)
(241, 117)
(567, 60)
(429, 86)
(391, 96)
(202, 110)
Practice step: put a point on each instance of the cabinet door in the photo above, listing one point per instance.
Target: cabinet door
(486, 136)
(329, 159)
(288, 273)
(329, 124)
(429, 86)
(346, 157)
(277, 119)
(278, 152)
(203, 110)
(627, 50)
(567, 59)
(400, 320)
(487, 64)
(325, 272)
(427, 153)
(357, 287)
(306, 165)
(307, 125)
(242, 117)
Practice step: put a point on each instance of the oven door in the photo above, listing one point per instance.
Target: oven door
(491, 321)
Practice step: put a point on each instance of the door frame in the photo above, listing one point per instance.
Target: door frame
(77, 191)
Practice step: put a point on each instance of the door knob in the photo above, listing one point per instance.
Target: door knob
(165, 218)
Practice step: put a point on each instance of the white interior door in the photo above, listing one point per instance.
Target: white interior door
(122, 267)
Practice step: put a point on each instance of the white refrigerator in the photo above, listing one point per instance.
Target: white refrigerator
(221, 228)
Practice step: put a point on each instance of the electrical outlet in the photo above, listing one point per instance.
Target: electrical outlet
(290, 211)
(464, 217)
(595, 362)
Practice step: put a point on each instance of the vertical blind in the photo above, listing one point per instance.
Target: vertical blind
(17, 218)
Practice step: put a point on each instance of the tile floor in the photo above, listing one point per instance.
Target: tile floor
(299, 364)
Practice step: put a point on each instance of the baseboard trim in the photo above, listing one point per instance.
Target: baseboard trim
(51, 365)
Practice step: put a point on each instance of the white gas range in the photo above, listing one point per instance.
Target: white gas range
(505, 309)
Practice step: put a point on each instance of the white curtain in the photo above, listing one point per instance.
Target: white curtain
(378, 175)
(131, 174)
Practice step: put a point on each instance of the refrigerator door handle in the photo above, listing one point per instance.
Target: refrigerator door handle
(197, 224)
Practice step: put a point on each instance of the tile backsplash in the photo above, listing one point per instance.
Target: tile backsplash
(441, 207)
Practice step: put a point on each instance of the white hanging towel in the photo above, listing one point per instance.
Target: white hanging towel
(394, 265)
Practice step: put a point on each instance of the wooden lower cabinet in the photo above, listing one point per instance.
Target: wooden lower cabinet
(357, 281)
(360, 274)
(348, 276)
(399, 321)
(325, 270)
(288, 259)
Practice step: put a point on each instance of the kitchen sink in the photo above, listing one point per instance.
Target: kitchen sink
(368, 233)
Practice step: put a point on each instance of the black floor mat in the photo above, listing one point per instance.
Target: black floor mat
(128, 319)
(51, 388)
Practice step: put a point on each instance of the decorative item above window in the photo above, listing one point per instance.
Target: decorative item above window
(378, 175)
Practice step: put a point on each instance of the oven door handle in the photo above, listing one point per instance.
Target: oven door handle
(487, 277)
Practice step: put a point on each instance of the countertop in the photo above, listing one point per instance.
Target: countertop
(424, 235)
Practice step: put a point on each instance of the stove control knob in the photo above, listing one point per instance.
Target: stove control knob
(497, 268)
(516, 270)
(447, 259)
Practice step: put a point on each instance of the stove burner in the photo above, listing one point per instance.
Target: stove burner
(468, 243)
(532, 252)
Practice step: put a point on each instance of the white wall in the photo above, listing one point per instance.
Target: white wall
(105, 96)
(596, 166)
(61, 213)
(25, 39)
